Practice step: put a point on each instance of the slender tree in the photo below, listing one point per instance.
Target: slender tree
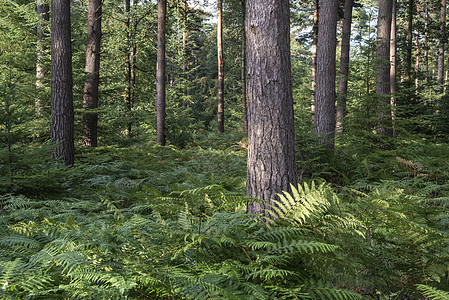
(160, 72)
(316, 9)
(408, 64)
(426, 42)
(417, 61)
(92, 73)
(383, 67)
(244, 102)
(344, 65)
(441, 45)
(393, 63)
(220, 67)
(325, 73)
(129, 62)
(41, 73)
(62, 115)
(271, 138)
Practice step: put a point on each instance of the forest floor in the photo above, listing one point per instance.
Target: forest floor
(150, 222)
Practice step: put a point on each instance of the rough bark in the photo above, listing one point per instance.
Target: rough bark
(41, 73)
(92, 73)
(271, 139)
(62, 115)
(160, 72)
(314, 49)
(220, 67)
(344, 66)
(244, 102)
(393, 63)
(441, 46)
(325, 74)
(383, 67)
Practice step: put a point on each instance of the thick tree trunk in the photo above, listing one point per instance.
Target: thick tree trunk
(92, 72)
(344, 66)
(220, 67)
(62, 115)
(383, 67)
(325, 74)
(160, 72)
(271, 137)
(244, 104)
(314, 49)
(393, 64)
(441, 46)
(41, 72)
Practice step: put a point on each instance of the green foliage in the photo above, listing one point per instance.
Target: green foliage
(432, 293)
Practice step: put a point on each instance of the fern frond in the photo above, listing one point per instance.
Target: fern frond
(432, 292)
(303, 204)
(322, 290)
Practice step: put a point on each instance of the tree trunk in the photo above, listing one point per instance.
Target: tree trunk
(393, 65)
(41, 72)
(408, 64)
(417, 62)
(383, 67)
(160, 72)
(271, 137)
(244, 102)
(92, 72)
(344, 66)
(316, 10)
(220, 67)
(441, 46)
(426, 43)
(129, 67)
(62, 115)
(325, 73)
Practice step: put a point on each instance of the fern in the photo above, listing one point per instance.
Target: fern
(432, 292)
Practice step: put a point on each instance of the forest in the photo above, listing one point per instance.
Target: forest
(224, 149)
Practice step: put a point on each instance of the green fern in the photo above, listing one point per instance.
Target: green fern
(432, 292)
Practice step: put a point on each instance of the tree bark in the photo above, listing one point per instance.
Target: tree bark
(316, 10)
(441, 46)
(325, 74)
(92, 73)
(220, 67)
(160, 72)
(244, 101)
(383, 67)
(62, 115)
(344, 66)
(41, 73)
(271, 138)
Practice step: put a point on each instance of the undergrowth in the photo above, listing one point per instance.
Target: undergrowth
(149, 222)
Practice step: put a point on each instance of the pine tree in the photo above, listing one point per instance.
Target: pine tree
(271, 139)
(62, 115)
